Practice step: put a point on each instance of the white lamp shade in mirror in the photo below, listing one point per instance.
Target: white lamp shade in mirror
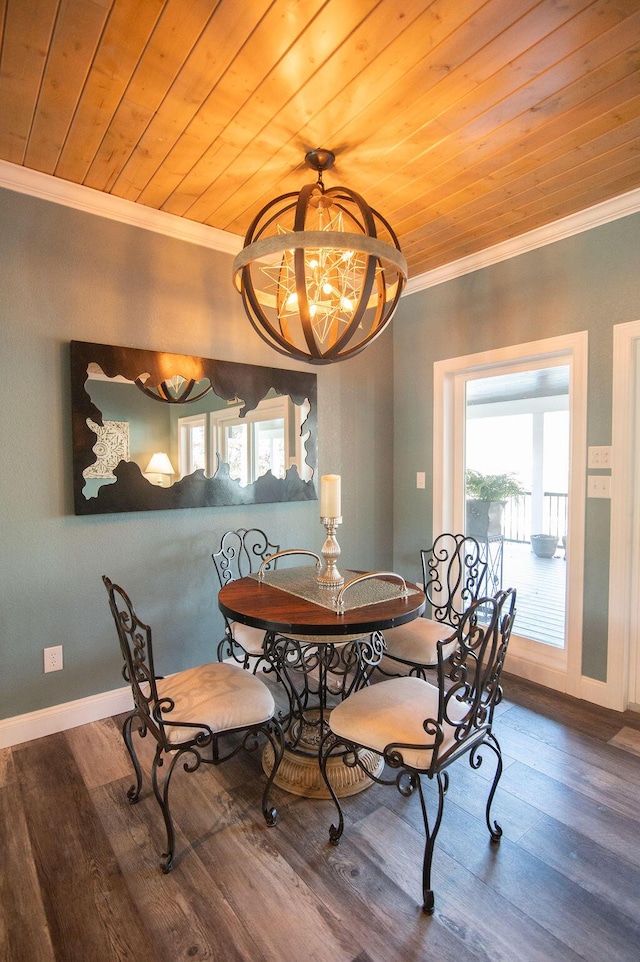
(159, 469)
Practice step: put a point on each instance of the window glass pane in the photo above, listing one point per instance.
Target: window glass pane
(237, 454)
(269, 447)
(197, 448)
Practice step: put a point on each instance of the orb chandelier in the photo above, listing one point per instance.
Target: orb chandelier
(320, 273)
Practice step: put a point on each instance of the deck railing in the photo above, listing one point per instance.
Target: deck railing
(517, 516)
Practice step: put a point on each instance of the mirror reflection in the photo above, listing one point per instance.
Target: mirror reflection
(167, 438)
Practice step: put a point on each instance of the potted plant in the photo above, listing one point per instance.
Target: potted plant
(544, 545)
(487, 495)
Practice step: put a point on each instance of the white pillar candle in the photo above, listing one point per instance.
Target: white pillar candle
(330, 506)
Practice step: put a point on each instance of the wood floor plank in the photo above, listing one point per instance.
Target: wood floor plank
(185, 913)
(358, 890)
(611, 878)
(83, 891)
(241, 854)
(588, 747)
(575, 714)
(493, 928)
(469, 789)
(24, 933)
(581, 776)
(80, 877)
(628, 739)
(591, 817)
(6, 766)
(99, 752)
(573, 916)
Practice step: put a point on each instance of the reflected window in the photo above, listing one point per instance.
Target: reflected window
(192, 441)
(254, 444)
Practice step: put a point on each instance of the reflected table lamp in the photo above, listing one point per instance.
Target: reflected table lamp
(159, 470)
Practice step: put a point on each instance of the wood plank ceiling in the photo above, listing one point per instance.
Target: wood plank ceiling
(464, 122)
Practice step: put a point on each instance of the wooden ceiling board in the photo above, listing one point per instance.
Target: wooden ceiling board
(464, 122)
(478, 123)
(77, 32)
(537, 180)
(27, 32)
(560, 121)
(169, 146)
(125, 37)
(250, 109)
(364, 80)
(160, 62)
(503, 186)
(508, 126)
(511, 183)
(524, 195)
(542, 204)
(280, 144)
(561, 203)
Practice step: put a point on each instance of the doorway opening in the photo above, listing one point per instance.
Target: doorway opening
(517, 490)
(556, 419)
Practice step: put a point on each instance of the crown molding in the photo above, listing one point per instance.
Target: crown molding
(591, 217)
(36, 184)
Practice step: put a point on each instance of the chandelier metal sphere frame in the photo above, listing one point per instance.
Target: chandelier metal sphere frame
(321, 272)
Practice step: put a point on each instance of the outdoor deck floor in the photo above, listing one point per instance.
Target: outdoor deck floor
(541, 592)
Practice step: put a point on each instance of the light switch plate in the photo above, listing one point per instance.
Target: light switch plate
(599, 457)
(598, 486)
(421, 479)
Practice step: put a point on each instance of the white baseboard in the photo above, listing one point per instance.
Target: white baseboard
(545, 675)
(595, 692)
(58, 718)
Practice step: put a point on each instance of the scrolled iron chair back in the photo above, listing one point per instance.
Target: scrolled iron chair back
(470, 675)
(137, 653)
(241, 552)
(453, 572)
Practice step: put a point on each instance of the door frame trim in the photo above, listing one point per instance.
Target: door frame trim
(573, 350)
(624, 556)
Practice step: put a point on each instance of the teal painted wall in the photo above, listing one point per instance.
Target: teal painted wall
(588, 282)
(67, 275)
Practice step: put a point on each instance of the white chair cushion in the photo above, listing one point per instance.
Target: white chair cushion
(393, 711)
(416, 641)
(219, 695)
(251, 639)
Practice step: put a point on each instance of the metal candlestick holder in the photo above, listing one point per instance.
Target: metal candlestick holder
(329, 576)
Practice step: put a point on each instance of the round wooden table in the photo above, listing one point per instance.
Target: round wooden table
(320, 653)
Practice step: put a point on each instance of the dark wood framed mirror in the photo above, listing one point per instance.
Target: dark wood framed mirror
(154, 431)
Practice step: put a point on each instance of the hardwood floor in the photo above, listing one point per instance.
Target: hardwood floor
(80, 877)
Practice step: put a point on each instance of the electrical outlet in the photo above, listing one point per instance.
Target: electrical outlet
(598, 486)
(53, 658)
(599, 457)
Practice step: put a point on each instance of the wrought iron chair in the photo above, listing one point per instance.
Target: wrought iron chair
(239, 554)
(420, 729)
(453, 572)
(189, 714)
